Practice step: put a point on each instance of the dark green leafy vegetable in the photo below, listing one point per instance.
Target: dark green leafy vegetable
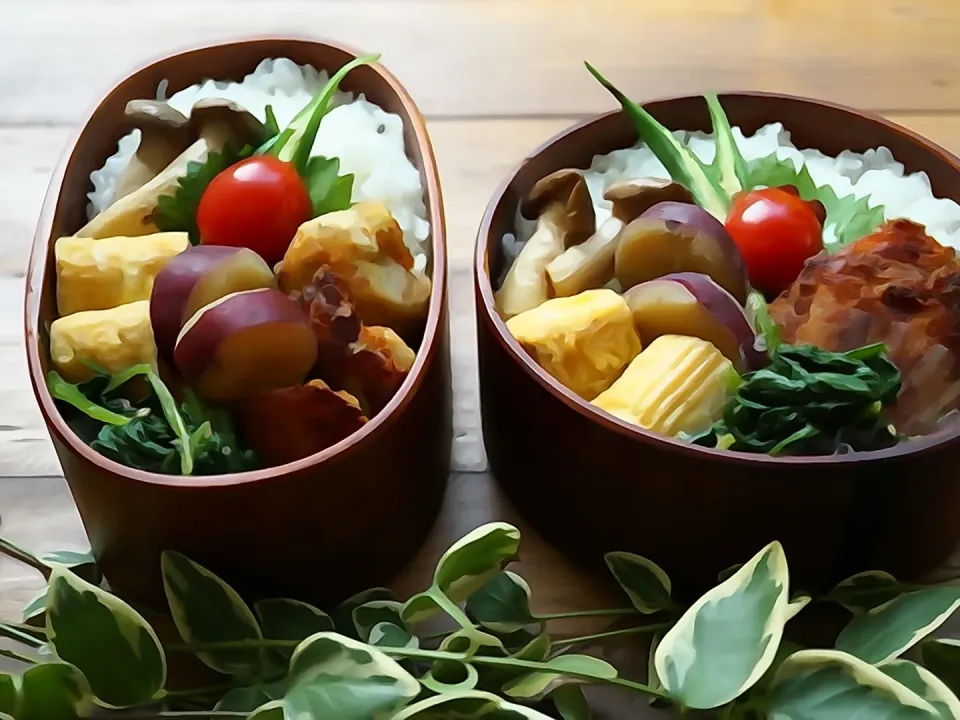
(155, 434)
(811, 401)
(178, 212)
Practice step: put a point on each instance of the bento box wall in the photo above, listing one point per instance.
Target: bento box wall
(316, 531)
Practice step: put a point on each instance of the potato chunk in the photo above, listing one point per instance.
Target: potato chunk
(584, 341)
(364, 246)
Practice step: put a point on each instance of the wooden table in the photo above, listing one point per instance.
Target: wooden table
(495, 78)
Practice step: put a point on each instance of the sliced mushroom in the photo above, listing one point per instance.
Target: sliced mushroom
(632, 198)
(216, 122)
(591, 264)
(164, 134)
(565, 217)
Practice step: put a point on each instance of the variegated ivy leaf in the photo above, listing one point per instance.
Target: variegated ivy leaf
(333, 676)
(475, 559)
(726, 641)
(387, 634)
(569, 668)
(503, 604)
(421, 606)
(828, 684)
(925, 684)
(942, 658)
(643, 580)
(728, 572)
(283, 619)
(472, 705)
(81, 564)
(653, 679)
(248, 699)
(207, 610)
(343, 615)
(8, 694)
(376, 611)
(449, 676)
(106, 639)
(54, 691)
(797, 604)
(886, 631)
(570, 703)
(865, 591)
(469, 641)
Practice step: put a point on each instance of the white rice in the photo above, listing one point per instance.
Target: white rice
(874, 174)
(367, 140)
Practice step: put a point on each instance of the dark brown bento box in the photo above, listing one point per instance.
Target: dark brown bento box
(317, 529)
(592, 483)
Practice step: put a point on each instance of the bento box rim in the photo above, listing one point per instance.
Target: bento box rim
(483, 283)
(37, 273)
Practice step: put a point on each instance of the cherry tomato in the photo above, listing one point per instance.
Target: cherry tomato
(775, 231)
(258, 203)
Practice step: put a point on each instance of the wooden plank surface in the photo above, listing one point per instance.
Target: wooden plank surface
(495, 78)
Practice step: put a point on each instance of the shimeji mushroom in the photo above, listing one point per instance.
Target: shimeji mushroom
(591, 264)
(217, 122)
(164, 133)
(565, 217)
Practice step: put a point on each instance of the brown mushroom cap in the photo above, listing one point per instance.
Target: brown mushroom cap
(241, 123)
(564, 196)
(632, 198)
(156, 115)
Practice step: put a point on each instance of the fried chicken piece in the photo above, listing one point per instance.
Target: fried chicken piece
(370, 362)
(897, 286)
(295, 422)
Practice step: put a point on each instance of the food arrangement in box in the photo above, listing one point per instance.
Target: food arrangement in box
(253, 281)
(739, 293)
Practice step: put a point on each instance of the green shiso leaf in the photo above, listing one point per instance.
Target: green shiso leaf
(849, 218)
(178, 212)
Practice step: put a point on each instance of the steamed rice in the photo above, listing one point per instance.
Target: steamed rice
(367, 140)
(874, 174)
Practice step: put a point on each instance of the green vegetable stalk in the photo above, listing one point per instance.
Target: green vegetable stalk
(684, 167)
(293, 145)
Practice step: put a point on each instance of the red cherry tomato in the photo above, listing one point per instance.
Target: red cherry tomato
(258, 203)
(775, 231)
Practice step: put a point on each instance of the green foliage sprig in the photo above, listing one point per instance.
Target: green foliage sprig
(369, 658)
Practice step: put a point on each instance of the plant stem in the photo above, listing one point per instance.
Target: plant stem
(563, 642)
(183, 714)
(14, 634)
(18, 553)
(585, 613)
(233, 645)
(449, 607)
(17, 656)
(514, 663)
(419, 654)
